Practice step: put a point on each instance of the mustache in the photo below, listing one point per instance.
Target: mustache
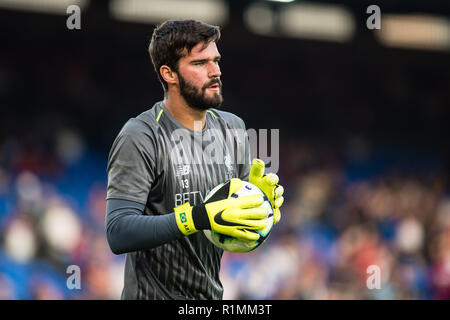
(212, 82)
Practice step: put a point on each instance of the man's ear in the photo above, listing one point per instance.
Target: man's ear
(170, 76)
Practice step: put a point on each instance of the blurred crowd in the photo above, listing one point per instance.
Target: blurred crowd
(337, 225)
(51, 219)
(340, 216)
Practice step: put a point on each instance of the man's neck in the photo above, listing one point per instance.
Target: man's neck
(185, 114)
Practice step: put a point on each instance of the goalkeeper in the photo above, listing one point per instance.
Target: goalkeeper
(155, 204)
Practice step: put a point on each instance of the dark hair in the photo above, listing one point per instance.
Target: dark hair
(171, 38)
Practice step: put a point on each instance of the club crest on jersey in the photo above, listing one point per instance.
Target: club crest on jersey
(229, 165)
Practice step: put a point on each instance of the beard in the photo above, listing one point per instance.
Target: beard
(196, 97)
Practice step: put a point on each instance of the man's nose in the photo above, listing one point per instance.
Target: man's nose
(214, 70)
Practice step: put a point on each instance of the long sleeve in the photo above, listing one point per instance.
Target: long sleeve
(127, 229)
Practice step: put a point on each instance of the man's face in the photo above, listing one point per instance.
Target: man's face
(199, 77)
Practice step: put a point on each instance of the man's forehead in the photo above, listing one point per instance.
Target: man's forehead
(200, 50)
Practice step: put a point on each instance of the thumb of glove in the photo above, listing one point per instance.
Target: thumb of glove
(257, 169)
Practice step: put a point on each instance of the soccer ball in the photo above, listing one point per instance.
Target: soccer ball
(232, 244)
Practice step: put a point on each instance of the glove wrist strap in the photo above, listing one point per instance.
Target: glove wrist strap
(200, 217)
(185, 222)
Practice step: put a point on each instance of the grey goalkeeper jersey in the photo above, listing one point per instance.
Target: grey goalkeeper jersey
(158, 162)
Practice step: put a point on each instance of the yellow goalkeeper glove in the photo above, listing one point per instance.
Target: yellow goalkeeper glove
(234, 217)
(268, 183)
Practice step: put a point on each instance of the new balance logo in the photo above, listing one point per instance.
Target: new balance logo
(182, 170)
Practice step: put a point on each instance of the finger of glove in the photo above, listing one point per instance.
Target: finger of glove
(235, 185)
(278, 202)
(251, 201)
(245, 235)
(279, 191)
(252, 224)
(252, 214)
(257, 169)
(271, 179)
(276, 216)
